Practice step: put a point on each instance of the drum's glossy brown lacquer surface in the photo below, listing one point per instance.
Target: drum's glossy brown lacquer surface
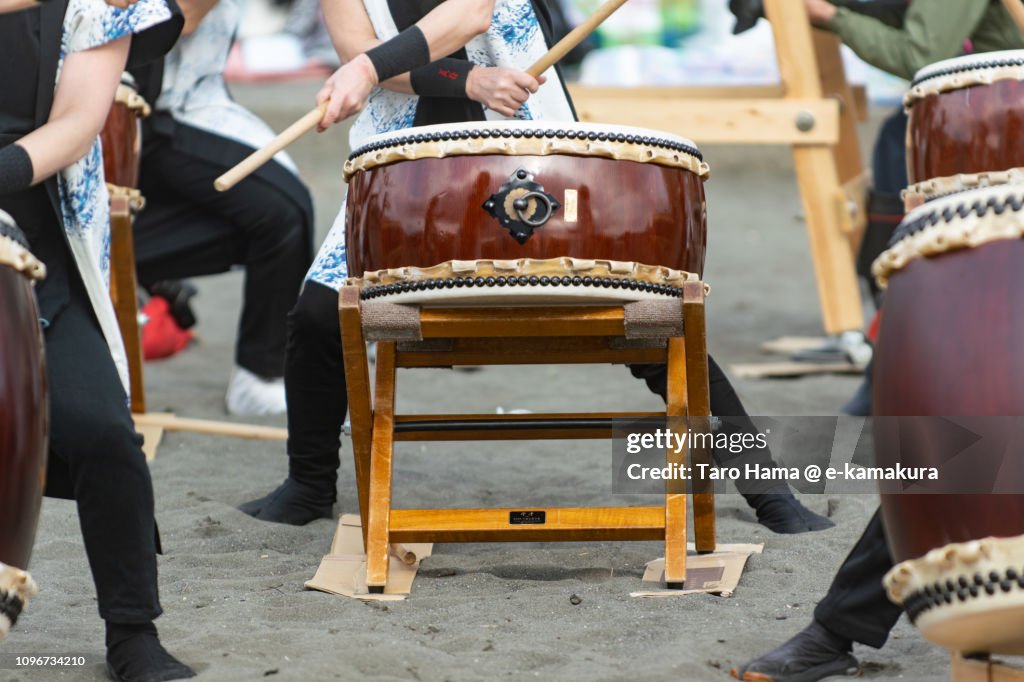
(428, 211)
(121, 139)
(951, 344)
(974, 129)
(23, 418)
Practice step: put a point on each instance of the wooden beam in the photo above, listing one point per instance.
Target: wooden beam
(719, 121)
(817, 175)
(677, 92)
(560, 524)
(533, 426)
(521, 321)
(170, 422)
(531, 351)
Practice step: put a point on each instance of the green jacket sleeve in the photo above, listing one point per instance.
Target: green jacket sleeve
(932, 30)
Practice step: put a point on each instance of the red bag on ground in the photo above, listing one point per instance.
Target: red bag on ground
(161, 335)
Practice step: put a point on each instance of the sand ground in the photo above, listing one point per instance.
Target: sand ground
(232, 587)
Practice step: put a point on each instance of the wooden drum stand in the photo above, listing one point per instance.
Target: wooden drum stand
(569, 334)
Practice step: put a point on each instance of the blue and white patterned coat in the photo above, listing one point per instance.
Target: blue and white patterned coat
(85, 204)
(514, 40)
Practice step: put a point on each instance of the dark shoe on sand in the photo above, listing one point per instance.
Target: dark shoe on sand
(292, 503)
(780, 512)
(134, 654)
(812, 654)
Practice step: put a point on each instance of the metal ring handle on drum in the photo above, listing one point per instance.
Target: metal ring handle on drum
(521, 203)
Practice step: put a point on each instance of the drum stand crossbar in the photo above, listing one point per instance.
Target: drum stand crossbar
(446, 337)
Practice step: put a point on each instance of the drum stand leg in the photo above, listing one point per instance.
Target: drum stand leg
(382, 453)
(699, 411)
(675, 500)
(123, 292)
(357, 381)
(474, 336)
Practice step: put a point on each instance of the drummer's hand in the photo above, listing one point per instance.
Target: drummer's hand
(820, 12)
(500, 89)
(348, 88)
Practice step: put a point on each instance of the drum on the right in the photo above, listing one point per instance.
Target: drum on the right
(950, 345)
(965, 116)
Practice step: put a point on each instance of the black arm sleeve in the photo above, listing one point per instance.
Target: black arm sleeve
(405, 52)
(15, 169)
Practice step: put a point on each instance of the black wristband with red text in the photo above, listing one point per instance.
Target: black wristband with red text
(443, 78)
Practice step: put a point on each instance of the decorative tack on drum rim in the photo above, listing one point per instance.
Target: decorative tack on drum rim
(959, 221)
(964, 72)
(524, 281)
(936, 188)
(967, 596)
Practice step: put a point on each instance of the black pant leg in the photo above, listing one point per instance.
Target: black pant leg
(96, 457)
(315, 388)
(856, 606)
(254, 224)
(725, 403)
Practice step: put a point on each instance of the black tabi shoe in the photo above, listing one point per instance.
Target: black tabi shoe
(293, 503)
(780, 512)
(812, 654)
(134, 654)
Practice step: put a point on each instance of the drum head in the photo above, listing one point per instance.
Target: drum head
(965, 72)
(528, 138)
(966, 597)
(958, 221)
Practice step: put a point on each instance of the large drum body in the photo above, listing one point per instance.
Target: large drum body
(516, 190)
(950, 346)
(23, 410)
(966, 116)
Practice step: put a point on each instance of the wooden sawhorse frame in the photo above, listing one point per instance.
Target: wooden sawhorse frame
(518, 336)
(814, 110)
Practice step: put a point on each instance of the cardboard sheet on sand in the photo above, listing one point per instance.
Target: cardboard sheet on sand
(343, 571)
(715, 573)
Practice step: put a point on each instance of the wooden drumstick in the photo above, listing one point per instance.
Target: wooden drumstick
(259, 157)
(574, 37)
(309, 121)
(1016, 10)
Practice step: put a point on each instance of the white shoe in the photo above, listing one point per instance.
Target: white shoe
(250, 395)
